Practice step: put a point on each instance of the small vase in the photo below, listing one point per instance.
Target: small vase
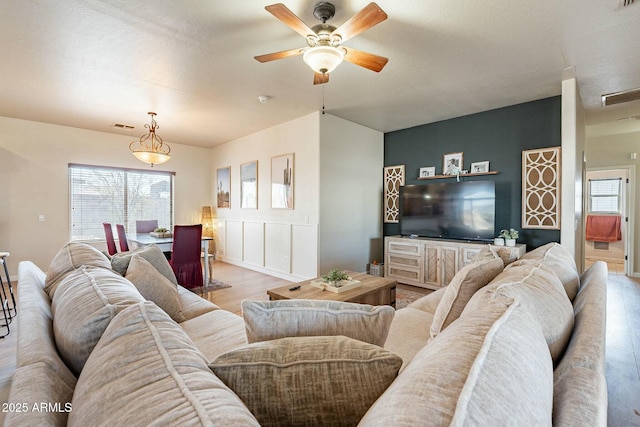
(498, 241)
(510, 242)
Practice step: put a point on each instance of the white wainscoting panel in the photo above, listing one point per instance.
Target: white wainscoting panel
(277, 248)
(304, 251)
(253, 242)
(234, 241)
(221, 238)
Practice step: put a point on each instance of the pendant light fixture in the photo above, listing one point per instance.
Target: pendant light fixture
(150, 148)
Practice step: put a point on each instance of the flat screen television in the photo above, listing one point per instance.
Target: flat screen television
(455, 210)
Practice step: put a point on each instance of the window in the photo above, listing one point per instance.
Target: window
(119, 196)
(604, 195)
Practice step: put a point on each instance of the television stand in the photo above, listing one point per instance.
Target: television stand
(432, 263)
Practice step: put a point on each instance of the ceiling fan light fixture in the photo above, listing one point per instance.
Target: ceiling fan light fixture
(323, 59)
(150, 148)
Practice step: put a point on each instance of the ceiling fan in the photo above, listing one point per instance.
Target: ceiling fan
(325, 51)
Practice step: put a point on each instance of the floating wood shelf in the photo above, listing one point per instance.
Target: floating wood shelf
(461, 175)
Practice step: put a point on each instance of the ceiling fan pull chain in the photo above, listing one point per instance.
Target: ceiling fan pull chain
(323, 99)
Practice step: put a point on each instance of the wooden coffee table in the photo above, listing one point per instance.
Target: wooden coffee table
(374, 290)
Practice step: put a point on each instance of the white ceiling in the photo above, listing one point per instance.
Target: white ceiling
(90, 63)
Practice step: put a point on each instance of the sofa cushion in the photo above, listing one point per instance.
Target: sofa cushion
(146, 371)
(557, 259)
(36, 385)
(194, 305)
(71, 256)
(216, 332)
(408, 333)
(429, 302)
(155, 287)
(83, 305)
(268, 320)
(540, 292)
(152, 253)
(298, 381)
(490, 367)
(461, 288)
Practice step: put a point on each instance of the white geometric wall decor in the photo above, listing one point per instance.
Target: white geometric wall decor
(393, 180)
(541, 188)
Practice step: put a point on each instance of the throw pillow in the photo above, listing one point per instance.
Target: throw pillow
(146, 371)
(83, 305)
(71, 256)
(323, 381)
(152, 253)
(155, 287)
(268, 320)
(464, 284)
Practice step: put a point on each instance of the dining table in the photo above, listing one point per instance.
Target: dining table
(166, 243)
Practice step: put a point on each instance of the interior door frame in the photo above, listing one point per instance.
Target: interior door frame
(629, 212)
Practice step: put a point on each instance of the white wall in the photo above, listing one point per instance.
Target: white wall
(281, 242)
(351, 187)
(337, 215)
(34, 160)
(573, 170)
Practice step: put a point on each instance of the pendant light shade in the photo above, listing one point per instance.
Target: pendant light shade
(150, 148)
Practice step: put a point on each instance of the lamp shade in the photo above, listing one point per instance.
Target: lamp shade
(323, 59)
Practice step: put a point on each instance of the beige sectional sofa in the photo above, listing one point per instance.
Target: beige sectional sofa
(117, 342)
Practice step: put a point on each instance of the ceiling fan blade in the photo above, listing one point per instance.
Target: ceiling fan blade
(285, 15)
(371, 15)
(367, 60)
(278, 55)
(320, 79)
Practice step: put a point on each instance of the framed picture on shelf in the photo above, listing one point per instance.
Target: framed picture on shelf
(452, 164)
(223, 188)
(282, 182)
(249, 185)
(427, 172)
(480, 167)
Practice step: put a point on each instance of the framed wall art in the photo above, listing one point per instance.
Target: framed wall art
(282, 181)
(393, 180)
(541, 188)
(427, 172)
(223, 188)
(452, 164)
(480, 167)
(249, 185)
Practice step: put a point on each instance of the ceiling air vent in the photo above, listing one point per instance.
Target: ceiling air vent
(620, 97)
(625, 3)
(122, 126)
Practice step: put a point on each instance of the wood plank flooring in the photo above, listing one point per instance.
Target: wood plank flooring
(623, 333)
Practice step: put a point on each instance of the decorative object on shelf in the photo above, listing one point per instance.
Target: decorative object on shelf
(452, 164)
(223, 188)
(509, 236)
(541, 188)
(393, 180)
(336, 281)
(498, 241)
(427, 171)
(249, 185)
(161, 233)
(480, 167)
(150, 148)
(282, 181)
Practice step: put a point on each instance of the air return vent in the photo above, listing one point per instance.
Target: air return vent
(123, 126)
(620, 97)
(625, 3)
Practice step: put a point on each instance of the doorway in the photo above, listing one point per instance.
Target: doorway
(609, 200)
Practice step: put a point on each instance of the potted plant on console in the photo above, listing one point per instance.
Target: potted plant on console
(509, 236)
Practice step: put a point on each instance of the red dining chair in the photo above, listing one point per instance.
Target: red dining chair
(111, 243)
(122, 238)
(185, 258)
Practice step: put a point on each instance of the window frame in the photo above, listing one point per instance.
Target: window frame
(125, 213)
(618, 197)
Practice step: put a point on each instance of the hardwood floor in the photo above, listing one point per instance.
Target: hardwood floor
(623, 334)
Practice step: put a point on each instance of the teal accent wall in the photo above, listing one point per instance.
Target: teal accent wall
(498, 136)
